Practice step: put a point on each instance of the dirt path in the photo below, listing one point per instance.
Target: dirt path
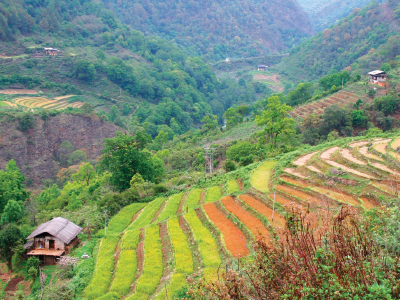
(294, 172)
(349, 156)
(328, 153)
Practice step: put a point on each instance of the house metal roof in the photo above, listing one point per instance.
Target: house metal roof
(376, 72)
(60, 228)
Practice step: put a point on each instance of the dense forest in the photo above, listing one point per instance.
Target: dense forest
(117, 70)
(217, 30)
(323, 13)
(340, 46)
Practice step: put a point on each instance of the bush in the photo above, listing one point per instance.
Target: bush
(230, 165)
(160, 189)
(26, 121)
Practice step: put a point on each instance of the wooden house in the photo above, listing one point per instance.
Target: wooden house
(53, 239)
(262, 68)
(51, 51)
(378, 77)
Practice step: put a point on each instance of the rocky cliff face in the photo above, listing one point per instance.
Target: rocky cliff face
(37, 150)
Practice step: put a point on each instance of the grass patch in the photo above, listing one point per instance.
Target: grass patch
(3, 104)
(104, 266)
(182, 253)
(126, 272)
(194, 198)
(213, 194)
(262, 175)
(171, 208)
(233, 186)
(177, 283)
(147, 215)
(153, 262)
(207, 245)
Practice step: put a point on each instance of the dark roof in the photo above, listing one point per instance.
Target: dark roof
(60, 228)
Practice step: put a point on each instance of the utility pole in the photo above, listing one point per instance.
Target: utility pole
(209, 161)
(105, 223)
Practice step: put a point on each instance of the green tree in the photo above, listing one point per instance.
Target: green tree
(386, 67)
(210, 124)
(13, 212)
(85, 70)
(114, 113)
(11, 185)
(10, 236)
(86, 174)
(232, 117)
(77, 157)
(26, 121)
(122, 157)
(161, 138)
(359, 118)
(276, 119)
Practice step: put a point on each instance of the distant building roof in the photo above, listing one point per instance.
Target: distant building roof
(377, 72)
(59, 227)
(262, 66)
(51, 49)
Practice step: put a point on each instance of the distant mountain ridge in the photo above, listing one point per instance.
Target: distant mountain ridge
(219, 29)
(325, 13)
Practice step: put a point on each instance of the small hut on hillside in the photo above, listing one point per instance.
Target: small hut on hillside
(52, 240)
(51, 51)
(377, 77)
(262, 67)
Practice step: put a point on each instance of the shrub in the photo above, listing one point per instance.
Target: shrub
(160, 189)
(230, 165)
(26, 121)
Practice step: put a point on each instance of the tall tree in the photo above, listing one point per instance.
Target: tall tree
(122, 157)
(276, 119)
(9, 238)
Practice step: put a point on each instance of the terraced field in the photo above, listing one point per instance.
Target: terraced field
(150, 250)
(341, 98)
(40, 102)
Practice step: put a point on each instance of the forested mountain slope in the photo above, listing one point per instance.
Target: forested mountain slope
(118, 71)
(219, 29)
(339, 46)
(325, 13)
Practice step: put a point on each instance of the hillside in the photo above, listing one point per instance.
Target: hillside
(219, 29)
(126, 76)
(51, 143)
(195, 232)
(339, 46)
(323, 14)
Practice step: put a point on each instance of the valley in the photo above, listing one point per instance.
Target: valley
(212, 150)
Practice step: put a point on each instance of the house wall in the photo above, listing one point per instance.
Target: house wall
(58, 244)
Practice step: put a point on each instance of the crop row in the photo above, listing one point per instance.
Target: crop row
(234, 239)
(261, 176)
(233, 186)
(153, 262)
(147, 215)
(171, 208)
(194, 199)
(213, 194)
(252, 223)
(104, 266)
